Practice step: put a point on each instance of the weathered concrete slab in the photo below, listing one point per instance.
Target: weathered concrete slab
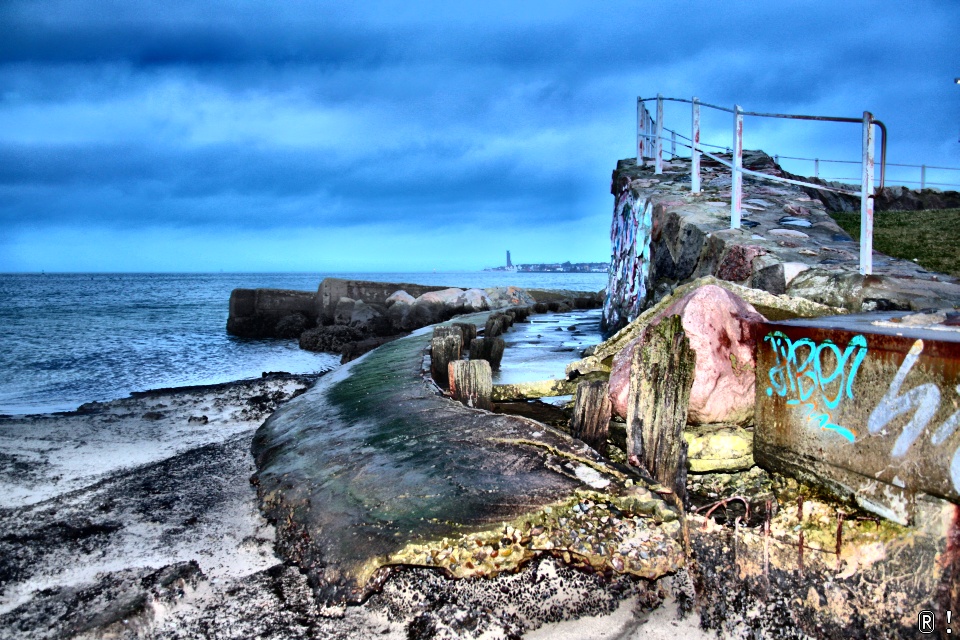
(372, 468)
(256, 312)
(865, 405)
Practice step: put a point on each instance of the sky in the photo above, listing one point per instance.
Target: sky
(416, 136)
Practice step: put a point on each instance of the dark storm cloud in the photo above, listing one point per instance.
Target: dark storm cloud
(256, 115)
(171, 186)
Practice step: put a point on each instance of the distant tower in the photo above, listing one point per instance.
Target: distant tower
(509, 264)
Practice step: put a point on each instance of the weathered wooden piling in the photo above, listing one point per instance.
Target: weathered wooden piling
(444, 350)
(591, 414)
(520, 314)
(496, 324)
(468, 331)
(449, 330)
(661, 376)
(471, 382)
(489, 349)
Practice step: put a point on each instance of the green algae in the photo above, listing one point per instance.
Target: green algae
(372, 459)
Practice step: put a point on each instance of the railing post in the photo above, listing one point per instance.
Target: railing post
(658, 143)
(923, 177)
(647, 151)
(695, 152)
(866, 198)
(736, 177)
(816, 167)
(673, 145)
(639, 132)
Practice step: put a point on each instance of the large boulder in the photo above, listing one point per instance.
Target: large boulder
(401, 297)
(330, 338)
(474, 300)
(398, 303)
(718, 325)
(344, 310)
(446, 297)
(509, 297)
(371, 318)
(291, 326)
(430, 308)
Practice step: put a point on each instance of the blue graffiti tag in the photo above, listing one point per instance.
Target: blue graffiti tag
(800, 373)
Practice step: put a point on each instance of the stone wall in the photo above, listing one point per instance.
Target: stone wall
(332, 289)
(865, 406)
(256, 313)
(664, 235)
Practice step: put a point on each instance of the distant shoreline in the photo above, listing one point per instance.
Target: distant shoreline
(554, 267)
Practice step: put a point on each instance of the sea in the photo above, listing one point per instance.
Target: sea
(71, 338)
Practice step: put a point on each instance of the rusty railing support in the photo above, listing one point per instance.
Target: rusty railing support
(866, 197)
(695, 152)
(736, 176)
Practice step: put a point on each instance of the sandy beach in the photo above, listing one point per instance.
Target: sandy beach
(136, 519)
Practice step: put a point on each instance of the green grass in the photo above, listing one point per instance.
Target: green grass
(930, 237)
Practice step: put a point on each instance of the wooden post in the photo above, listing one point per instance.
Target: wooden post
(489, 349)
(448, 330)
(471, 383)
(661, 375)
(443, 350)
(468, 330)
(520, 313)
(591, 414)
(495, 326)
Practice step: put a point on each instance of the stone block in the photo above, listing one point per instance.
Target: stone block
(866, 412)
(718, 448)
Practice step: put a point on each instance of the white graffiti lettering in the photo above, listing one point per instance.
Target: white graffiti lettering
(924, 401)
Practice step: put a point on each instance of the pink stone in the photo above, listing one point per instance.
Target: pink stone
(400, 296)
(736, 265)
(619, 386)
(718, 325)
(444, 296)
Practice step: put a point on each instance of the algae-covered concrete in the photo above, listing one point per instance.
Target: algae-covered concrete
(372, 468)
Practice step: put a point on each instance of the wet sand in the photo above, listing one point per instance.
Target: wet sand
(136, 519)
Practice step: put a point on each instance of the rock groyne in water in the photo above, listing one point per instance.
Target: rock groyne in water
(351, 317)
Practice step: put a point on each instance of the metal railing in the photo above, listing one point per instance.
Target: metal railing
(923, 182)
(650, 141)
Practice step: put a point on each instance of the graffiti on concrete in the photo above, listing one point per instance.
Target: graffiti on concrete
(924, 401)
(630, 262)
(815, 376)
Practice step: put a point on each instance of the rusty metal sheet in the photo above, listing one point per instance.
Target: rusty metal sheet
(872, 416)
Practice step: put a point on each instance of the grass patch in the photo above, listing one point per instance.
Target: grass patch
(931, 237)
